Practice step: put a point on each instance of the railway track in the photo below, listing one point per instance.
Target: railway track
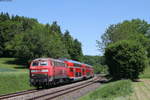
(56, 94)
(17, 94)
(48, 94)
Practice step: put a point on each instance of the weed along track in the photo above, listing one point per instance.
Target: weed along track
(48, 94)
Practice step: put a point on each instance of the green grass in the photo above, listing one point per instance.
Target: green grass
(14, 81)
(13, 76)
(146, 73)
(110, 91)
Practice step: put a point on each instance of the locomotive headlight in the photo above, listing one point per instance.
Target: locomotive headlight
(44, 70)
(32, 75)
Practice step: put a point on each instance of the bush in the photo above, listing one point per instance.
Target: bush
(100, 69)
(125, 59)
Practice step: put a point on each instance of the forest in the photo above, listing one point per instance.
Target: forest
(26, 38)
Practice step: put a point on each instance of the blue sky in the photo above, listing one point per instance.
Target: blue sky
(86, 20)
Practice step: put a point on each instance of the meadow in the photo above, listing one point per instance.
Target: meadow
(13, 77)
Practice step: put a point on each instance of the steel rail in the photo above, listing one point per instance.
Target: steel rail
(61, 92)
(17, 94)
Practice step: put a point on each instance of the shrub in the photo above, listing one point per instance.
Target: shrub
(125, 59)
(100, 69)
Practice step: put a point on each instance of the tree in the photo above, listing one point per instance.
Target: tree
(125, 59)
(123, 31)
(74, 47)
(69, 43)
(4, 17)
(98, 63)
(36, 43)
(9, 27)
(77, 51)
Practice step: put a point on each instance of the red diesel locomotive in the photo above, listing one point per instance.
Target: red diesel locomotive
(47, 71)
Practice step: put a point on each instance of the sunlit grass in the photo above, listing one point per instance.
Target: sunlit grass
(13, 76)
(146, 73)
(110, 91)
(13, 82)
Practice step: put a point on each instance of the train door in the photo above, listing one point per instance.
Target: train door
(83, 71)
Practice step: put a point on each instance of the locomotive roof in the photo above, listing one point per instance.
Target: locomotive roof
(42, 59)
(48, 59)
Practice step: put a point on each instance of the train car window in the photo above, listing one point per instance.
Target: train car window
(71, 69)
(76, 74)
(83, 70)
(79, 73)
(77, 65)
(36, 63)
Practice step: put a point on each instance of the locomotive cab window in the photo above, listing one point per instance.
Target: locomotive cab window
(36, 63)
(43, 63)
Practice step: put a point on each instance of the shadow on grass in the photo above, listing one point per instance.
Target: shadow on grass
(22, 64)
(108, 79)
(21, 67)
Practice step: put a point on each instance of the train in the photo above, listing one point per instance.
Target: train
(46, 72)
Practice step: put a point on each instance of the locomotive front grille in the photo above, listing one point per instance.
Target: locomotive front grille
(38, 76)
(38, 79)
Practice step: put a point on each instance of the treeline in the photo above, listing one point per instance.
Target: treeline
(26, 38)
(126, 48)
(98, 63)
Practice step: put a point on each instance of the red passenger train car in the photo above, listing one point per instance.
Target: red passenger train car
(47, 71)
(74, 69)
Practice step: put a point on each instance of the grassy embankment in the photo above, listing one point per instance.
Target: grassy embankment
(109, 91)
(123, 90)
(13, 77)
